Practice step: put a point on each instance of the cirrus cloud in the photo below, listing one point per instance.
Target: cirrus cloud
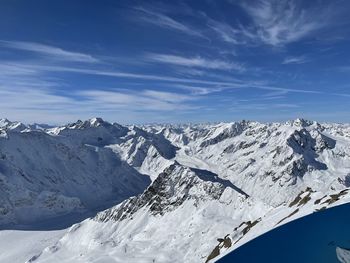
(196, 62)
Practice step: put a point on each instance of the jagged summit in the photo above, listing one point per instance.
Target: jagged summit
(90, 123)
(4, 122)
(96, 121)
(171, 188)
(300, 122)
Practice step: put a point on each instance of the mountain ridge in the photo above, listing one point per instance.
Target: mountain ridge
(176, 188)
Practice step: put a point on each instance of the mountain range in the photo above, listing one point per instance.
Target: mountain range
(162, 192)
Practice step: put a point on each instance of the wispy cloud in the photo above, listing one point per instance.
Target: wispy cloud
(169, 97)
(199, 90)
(279, 22)
(226, 32)
(279, 90)
(196, 62)
(263, 106)
(273, 22)
(119, 74)
(141, 100)
(238, 34)
(341, 95)
(49, 51)
(345, 69)
(39, 104)
(29, 93)
(224, 84)
(275, 93)
(295, 60)
(162, 20)
(263, 98)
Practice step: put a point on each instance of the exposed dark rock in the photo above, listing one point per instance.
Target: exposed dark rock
(302, 200)
(335, 197)
(225, 242)
(304, 144)
(235, 129)
(345, 181)
(170, 189)
(291, 214)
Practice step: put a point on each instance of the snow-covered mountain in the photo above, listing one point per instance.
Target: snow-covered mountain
(45, 173)
(181, 193)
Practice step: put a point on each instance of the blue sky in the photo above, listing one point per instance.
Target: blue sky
(174, 61)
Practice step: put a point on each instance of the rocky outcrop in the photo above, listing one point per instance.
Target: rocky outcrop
(170, 190)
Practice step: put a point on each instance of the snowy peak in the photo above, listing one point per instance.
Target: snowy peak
(137, 144)
(300, 122)
(7, 125)
(224, 131)
(91, 123)
(4, 122)
(171, 189)
(95, 122)
(53, 175)
(308, 146)
(303, 141)
(94, 132)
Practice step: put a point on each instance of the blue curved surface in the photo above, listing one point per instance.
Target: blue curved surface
(311, 239)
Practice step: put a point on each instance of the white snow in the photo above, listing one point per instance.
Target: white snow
(237, 179)
(17, 246)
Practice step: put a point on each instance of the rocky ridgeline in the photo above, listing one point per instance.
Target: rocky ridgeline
(170, 190)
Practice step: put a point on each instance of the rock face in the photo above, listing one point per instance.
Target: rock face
(176, 188)
(171, 189)
(223, 243)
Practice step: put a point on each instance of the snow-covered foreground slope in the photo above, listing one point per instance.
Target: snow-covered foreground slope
(321, 237)
(19, 245)
(207, 189)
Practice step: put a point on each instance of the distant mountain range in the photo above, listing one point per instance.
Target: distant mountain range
(172, 193)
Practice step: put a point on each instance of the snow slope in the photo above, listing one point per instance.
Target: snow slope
(44, 175)
(20, 245)
(206, 188)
